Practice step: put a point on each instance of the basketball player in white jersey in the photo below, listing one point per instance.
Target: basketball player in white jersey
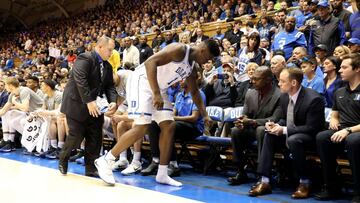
(147, 100)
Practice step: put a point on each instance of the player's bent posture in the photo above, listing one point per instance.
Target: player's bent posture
(147, 100)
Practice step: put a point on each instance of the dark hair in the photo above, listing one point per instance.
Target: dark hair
(50, 83)
(34, 78)
(282, 10)
(336, 61)
(254, 35)
(279, 52)
(213, 47)
(355, 60)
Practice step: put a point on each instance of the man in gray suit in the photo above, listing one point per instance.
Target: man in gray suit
(261, 105)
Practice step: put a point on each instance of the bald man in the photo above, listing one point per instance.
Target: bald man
(90, 80)
(277, 64)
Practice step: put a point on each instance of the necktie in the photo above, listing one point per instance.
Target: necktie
(101, 70)
(290, 114)
(289, 118)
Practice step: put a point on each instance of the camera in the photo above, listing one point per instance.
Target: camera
(222, 76)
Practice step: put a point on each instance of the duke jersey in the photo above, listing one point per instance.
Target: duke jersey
(170, 73)
(288, 41)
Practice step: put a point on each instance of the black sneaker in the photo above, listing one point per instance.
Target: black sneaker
(173, 171)
(150, 170)
(8, 147)
(80, 154)
(51, 153)
(2, 143)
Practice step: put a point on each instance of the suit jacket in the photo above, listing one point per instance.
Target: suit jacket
(268, 109)
(309, 115)
(85, 84)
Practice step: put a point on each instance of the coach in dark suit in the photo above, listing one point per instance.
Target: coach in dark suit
(261, 105)
(90, 78)
(302, 118)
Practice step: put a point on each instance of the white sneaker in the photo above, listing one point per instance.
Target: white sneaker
(134, 167)
(105, 170)
(120, 164)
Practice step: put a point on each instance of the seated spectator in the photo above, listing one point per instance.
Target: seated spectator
(218, 35)
(340, 51)
(251, 52)
(311, 80)
(277, 64)
(261, 104)
(208, 71)
(168, 39)
(199, 36)
(354, 45)
(245, 85)
(302, 117)
(332, 80)
(289, 38)
(22, 100)
(131, 54)
(343, 133)
(188, 125)
(320, 54)
(144, 49)
(221, 90)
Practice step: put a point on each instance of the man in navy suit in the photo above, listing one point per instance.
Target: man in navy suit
(4, 95)
(302, 118)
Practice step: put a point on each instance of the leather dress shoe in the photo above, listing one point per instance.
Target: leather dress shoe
(63, 166)
(302, 192)
(238, 179)
(260, 189)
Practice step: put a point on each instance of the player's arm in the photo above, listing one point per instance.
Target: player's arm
(195, 93)
(173, 52)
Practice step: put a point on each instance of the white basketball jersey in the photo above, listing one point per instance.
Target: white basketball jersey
(172, 72)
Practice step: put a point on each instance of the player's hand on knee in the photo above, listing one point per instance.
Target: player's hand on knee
(93, 109)
(158, 101)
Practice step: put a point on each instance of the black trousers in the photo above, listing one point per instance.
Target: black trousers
(184, 131)
(297, 143)
(328, 152)
(242, 139)
(91, 130)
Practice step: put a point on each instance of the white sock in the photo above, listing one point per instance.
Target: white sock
(82, 147)
(61, 144)
(163, 178)
(53, 143)
(305, 181)
(156, 159)
(137, 156)
(174, 164)
(265, 179)
(123, 155)
(5, 137)
(12, 137)
(110, 156)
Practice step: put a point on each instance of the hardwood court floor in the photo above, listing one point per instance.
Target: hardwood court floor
(29, 179)
(23, 182)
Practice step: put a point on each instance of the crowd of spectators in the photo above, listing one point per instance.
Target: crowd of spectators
(314, 37)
